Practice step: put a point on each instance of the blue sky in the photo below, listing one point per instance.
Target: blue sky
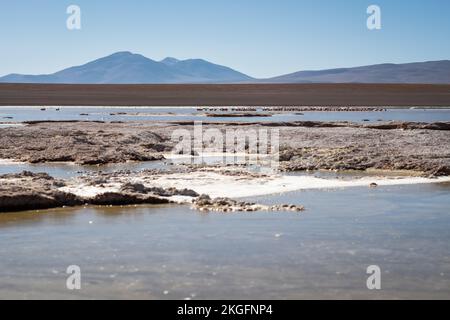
(259, 37)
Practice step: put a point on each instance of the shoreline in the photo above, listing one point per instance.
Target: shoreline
(209, 189)
(293, 108)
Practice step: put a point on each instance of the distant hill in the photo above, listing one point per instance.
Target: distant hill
(126, 67)
(419, 72)
(129, 68)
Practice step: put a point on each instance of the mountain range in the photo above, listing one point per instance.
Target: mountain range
(130, 68)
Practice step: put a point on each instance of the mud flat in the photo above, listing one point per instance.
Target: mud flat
(416, 147)
(419, 150)
(86, 143)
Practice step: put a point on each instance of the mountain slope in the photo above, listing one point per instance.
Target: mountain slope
(418, 72)
(126, 67)
(129, 68)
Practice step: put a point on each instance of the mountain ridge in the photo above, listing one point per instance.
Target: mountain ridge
(125, 67)
(428, 72)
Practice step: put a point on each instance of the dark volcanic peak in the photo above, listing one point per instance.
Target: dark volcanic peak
(126, 67)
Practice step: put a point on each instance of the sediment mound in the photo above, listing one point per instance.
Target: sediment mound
(27, 191)
(30, 191)
(205, 203)
(86, 143)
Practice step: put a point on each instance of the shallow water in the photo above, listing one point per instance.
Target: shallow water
(150, 252)
(70, 170)
(20, 114)
(64, 170)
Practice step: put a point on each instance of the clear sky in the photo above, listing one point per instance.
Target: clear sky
(259, 37)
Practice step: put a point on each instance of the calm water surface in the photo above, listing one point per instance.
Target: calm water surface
(158, 252)
(69, 170)
(19, 114)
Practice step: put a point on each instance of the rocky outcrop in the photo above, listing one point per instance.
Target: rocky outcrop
(125, 198)
(360, 159)
(138, 188)
(29, 191)
(206, 204)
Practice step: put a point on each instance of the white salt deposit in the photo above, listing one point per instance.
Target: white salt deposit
(218, 185)
(86, 191)
(215, 184)
(6, 162)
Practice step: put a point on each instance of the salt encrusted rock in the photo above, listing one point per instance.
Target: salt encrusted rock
(205, 203)
(140, 188)
(28, 191)
(116, 198)
(31, 191)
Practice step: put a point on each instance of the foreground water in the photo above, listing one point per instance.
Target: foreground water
(157, 252)
(20, 114)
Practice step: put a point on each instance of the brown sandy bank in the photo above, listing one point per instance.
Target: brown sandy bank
(226, 95)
